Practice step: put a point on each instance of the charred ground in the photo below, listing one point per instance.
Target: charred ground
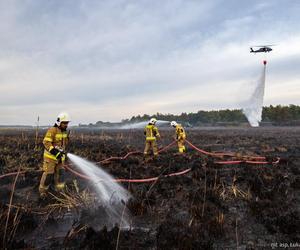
(211, 207)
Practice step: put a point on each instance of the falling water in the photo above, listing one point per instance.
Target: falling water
(253, 107)
(143, 124)
(111, 196)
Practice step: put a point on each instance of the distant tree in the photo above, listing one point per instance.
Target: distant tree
(275, 114)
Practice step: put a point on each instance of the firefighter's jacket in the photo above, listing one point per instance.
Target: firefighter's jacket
(54, 138)
(180, 133)
(151, 132)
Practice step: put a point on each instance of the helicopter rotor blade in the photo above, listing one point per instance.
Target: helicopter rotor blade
(269, 45)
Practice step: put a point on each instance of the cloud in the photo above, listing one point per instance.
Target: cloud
(108, 60)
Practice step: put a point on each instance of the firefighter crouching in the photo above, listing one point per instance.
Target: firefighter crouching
(151, 133)
(179, 136)
(55, 142)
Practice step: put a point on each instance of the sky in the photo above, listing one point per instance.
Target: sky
(111, 60)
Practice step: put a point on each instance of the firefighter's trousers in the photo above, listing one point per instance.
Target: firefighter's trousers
(151, 145)
(181, 147)
(53, 172)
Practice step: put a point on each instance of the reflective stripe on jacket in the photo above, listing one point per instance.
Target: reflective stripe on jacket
(54, 137)
(151, 132)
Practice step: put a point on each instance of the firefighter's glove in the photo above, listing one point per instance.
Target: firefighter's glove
(57, 153)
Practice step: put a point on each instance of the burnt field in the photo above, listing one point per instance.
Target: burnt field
(213, 206)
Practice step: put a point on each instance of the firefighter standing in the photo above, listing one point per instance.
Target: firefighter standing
(151, 133)
(179, 136)
(55, 142)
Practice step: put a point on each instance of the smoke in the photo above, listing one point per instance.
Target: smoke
(252, 108)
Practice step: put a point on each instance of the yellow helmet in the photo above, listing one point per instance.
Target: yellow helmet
(62, 117)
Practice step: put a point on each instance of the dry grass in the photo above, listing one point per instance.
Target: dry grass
(16, 218)
(10, 229)
(220, 218)
(75, 230)
(72, 198)
(233, 191)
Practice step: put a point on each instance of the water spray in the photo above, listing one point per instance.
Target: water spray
(110, 195)
(253, 107)
(140, 125)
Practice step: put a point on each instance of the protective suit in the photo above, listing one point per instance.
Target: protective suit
(151, 133)
(55, 142)
(180, 136)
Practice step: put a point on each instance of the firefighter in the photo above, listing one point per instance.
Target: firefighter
(179, 136)
(55, 142)
(151, 133)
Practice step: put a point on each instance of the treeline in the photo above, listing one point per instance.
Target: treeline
(272, 115)
(281, 115)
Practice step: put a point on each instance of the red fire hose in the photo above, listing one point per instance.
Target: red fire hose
(173, 174)
(128, 180)
(222, 154)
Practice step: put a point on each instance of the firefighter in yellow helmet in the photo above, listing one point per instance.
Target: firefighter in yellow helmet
(55, 142)
(179, 135)
(151, 133)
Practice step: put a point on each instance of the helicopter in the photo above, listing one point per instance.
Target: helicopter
(262, 48)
